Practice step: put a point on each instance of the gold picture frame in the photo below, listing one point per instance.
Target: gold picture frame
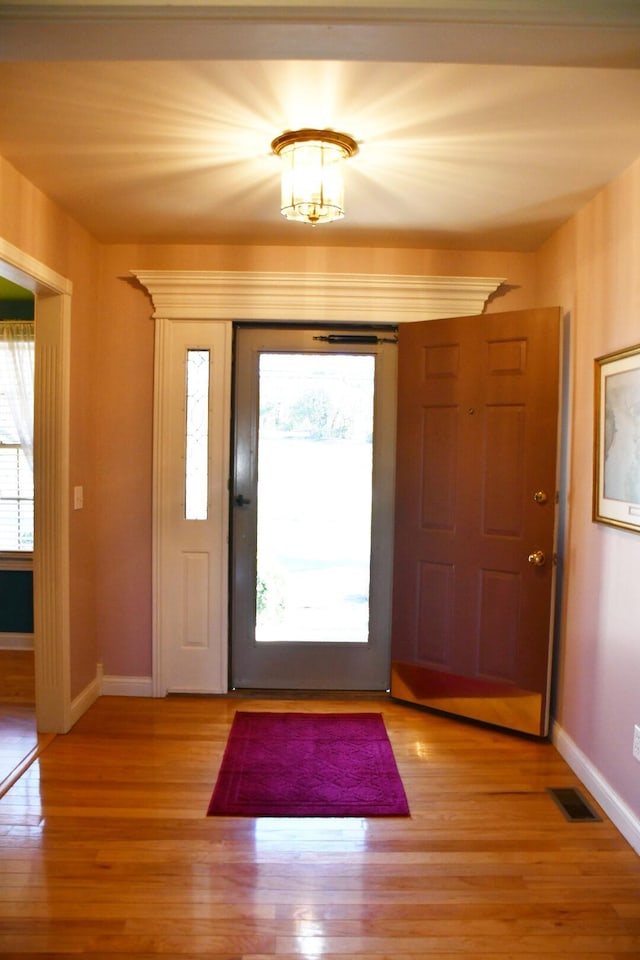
(616, 467)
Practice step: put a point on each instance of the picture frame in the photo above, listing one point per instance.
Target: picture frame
(616, 466)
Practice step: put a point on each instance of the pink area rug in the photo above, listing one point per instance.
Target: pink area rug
(308, 765)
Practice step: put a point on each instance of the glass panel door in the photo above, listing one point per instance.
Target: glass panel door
(315, 456)
(313, 510)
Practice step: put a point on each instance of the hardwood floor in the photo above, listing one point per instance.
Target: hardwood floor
(105, 851)
(19, 741)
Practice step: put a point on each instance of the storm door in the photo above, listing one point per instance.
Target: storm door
(312, 508)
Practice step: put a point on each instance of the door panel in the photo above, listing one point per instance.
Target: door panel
(477, 439)
(312, 569)
(191, 515)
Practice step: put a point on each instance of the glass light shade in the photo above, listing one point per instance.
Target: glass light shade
(312, 183)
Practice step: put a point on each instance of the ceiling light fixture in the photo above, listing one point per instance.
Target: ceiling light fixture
(312, 184)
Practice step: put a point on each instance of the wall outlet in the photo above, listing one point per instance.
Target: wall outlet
(636, 741)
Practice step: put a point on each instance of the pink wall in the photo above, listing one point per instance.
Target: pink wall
(123, 477)
(31, 222)
(592, 267)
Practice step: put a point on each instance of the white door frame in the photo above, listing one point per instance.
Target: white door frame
(212, 296)
(51, 600)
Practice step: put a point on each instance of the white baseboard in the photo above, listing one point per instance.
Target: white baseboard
(613, 805)
(87, 697)
(16, 641)
(109, 687)
(127, 686)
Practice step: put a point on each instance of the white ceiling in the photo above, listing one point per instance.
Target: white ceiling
(493, 150)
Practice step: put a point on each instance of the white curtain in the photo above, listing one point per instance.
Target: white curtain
(16, 366)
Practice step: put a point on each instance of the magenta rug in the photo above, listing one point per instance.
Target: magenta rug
(308, 765)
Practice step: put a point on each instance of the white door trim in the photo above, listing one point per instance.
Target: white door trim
(276, 296)
(51, 599)
(348, 297)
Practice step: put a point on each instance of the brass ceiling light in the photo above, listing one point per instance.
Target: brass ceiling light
(312, 184)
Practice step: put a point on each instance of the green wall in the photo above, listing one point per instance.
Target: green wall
(16, 601)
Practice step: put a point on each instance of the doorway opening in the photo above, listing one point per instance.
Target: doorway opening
(54, 713)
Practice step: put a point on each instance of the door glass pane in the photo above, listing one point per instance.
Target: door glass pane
(197, 435)
(315, 447)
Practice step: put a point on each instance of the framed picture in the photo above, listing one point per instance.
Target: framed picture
(616, 487)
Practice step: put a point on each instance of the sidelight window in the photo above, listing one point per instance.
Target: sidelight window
(197, 435)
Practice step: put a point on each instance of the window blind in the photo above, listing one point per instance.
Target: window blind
(16, 478)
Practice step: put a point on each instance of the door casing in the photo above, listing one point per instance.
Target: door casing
(55, 711)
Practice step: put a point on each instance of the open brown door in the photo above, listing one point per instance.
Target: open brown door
(475, 516)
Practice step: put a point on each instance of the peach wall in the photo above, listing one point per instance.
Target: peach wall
(123, 478)
(31, 222)
(592, 267)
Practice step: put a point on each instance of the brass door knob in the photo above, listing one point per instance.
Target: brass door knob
(540, 496)
(537, 559)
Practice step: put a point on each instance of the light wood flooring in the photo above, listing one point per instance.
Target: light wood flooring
(105, 851)
(19, 741)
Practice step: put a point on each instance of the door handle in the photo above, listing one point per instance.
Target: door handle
(241, 501)
(537, 559)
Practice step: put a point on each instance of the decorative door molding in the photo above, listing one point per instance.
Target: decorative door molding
(349, 297)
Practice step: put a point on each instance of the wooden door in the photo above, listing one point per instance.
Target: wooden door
(475, 516)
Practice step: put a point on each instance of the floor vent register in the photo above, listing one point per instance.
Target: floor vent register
(572, 804)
